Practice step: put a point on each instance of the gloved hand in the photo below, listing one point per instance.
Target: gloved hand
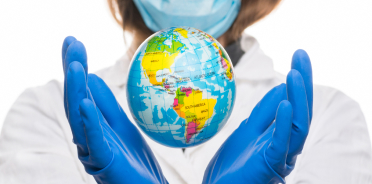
(109, 146)
(264, 148)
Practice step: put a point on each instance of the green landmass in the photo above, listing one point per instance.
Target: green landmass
(223, 53)
(156, 44)
(180, 95)
(190, 116)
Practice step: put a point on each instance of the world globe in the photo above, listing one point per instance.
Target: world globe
(181, 87)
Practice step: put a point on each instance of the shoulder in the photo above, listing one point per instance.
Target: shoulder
(330, 93)
(338, 141)
(339, 117)
(36, 134)
(327, 99)
(334, 113)
(41, 97)
(334, 103)
(36, 119)
(37, 108)
(338, 122)
(52, 89)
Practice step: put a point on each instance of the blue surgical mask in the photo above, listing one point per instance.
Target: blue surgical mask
(212, 16)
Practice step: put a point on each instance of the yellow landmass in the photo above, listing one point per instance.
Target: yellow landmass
(215, 46)
(228, 70)
(182, 31)
(202, 108)
(155, 61)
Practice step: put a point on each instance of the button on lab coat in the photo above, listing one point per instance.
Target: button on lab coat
(36, 141)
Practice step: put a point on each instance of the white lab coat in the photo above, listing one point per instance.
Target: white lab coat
(36, 141)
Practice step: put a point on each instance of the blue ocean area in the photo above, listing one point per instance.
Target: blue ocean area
(169, 116)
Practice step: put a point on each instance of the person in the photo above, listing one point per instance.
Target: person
(36, 141)
(113, 151)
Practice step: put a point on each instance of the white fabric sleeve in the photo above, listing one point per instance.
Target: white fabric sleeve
(33, 146)
(338, 148)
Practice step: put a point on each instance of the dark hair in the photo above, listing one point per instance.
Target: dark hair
(127, 15)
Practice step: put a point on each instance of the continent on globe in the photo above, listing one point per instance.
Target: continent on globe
(181, 87)
(224, 62)
(182, 31)
(189, 105)
(159, 56)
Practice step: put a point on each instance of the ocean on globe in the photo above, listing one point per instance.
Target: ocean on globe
(181, 87)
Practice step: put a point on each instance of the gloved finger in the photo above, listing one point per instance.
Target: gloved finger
(106, 102)
(301, 62)
(72, 50)
(264, 112)
(76, 52)
(66, 43)
(68, 40)
(276, 152)
(100, 153)
(301, 122)
(75, 92)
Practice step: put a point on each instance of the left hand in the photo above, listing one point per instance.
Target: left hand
(264, 148)
(109, 146)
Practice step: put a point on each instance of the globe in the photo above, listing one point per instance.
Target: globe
(181, 87)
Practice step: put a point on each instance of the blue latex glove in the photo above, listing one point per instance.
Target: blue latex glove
(109, 145)
(265, 146)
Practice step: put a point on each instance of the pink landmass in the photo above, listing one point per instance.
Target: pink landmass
(223, 62)
(175, 102)
(191, 130)
(187, 91)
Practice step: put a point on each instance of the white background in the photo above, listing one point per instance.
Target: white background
(337, 34)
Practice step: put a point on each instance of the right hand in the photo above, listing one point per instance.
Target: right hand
(264, 148)
(109, 146)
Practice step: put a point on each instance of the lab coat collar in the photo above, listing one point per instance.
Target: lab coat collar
(254, 65)
(117, 74)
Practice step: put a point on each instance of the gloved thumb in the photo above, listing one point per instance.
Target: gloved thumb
(100, 154)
